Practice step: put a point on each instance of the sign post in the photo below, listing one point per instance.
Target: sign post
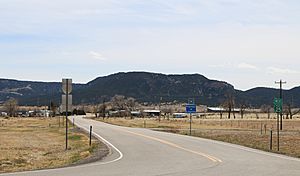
(190, 108)
(280, 96)
(67, 100)
(278, 109)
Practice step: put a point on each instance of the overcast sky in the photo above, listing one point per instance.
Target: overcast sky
(246, 43)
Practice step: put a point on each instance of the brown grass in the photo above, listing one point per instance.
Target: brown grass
(250, 132)
(38, 143)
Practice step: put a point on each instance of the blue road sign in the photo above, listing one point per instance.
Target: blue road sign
(190, 108)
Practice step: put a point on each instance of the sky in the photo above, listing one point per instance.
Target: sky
(245, 43)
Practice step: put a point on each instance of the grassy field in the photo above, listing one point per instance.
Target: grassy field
(250, 132)
(38, 143)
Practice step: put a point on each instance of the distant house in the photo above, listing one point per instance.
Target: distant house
(215, 109)
(152, 113)
(219, 109)
(118, 113)
(78, 112)
(3, 114)
(179, 115)
(22, 114)
(135, 113)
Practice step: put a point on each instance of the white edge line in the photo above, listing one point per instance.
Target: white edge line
(108, 143)
(78, 166)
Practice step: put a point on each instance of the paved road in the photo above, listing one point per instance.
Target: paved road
(143, 152)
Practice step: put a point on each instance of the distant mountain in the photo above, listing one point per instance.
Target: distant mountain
(260, 96)
(144, 87)
(31, 93)
(153, 87)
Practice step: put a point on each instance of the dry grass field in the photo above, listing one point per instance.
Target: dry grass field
(250, 132)
(38, 143)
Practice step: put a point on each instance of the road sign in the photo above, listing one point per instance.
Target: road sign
(190, 108)
(67, 84)
(64, 103)
(277, 105)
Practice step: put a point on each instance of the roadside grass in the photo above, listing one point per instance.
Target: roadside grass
(39, 143)
(250, 132)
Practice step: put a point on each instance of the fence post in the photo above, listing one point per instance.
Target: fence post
(91, 135)
(271, 138)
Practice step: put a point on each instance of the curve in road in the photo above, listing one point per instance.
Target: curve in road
(144, 152)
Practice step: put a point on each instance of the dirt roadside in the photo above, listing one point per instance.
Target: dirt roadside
(39, 143)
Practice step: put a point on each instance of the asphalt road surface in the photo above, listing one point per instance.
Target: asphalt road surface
(144, 152)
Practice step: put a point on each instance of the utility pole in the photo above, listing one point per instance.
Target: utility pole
(67, 103)
(280, 96)
(159, 109)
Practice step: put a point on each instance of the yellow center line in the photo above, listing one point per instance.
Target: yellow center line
(212, 158)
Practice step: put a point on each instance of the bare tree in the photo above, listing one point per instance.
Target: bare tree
(102, 110)
(233, 108)
(221, 110)
(11, 106)
(229, 104)
(53, 108)
(242, 110)
(256, 114)
(168, 111)
(95, 110)
(266, 109)
(290, 111)
(130, 104)
(285, 110)
(118, 102)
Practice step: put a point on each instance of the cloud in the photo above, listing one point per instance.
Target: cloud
(96, 55)
(275, 70)
(247, 66)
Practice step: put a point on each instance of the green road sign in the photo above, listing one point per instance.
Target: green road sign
(277, 105)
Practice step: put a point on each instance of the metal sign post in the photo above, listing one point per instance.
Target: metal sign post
(190, 108)
(67, 89)
(277, 131)
(190, 124)
(280, 96)
(278, 109)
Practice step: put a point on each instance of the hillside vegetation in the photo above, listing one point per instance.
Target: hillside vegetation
(144, 87)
